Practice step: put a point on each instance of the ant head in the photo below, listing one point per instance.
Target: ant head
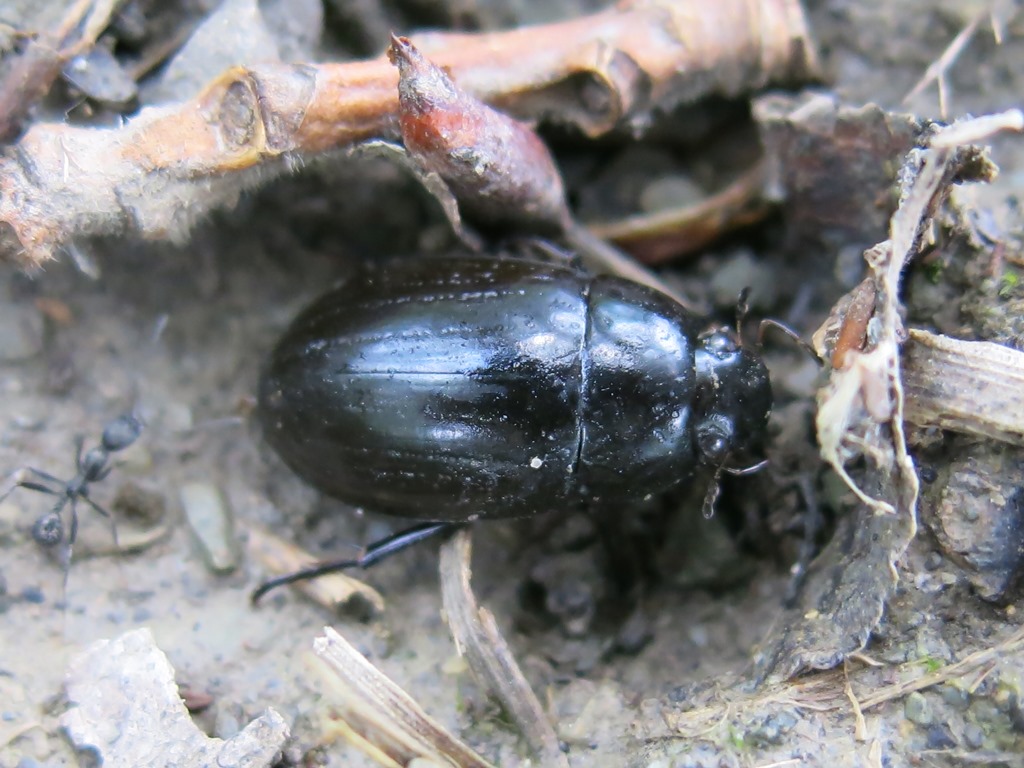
(121, 432)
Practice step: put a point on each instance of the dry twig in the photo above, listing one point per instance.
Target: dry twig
(478, 638)
(380, 718)
(171, 165)
(997, 14)
(654, 238)
(1014, 644)
(837, 690)
(975, 387)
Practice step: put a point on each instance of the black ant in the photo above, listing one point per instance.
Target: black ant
(93, 466)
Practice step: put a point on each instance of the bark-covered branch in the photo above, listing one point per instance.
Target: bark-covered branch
(170, 165)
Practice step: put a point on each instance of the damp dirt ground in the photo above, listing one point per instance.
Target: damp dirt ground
(218, 303)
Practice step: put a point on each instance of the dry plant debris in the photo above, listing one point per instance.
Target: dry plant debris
(655, 238)
(39, 64)
(497, 168)
(488, 165)
(974, 387)
(277, 556)
(170, 165)
(857, 688)
(375, 715)
(861, 415)
(478, 638)
(865, 393)
(830, 165)
(998, 13)
(126, 706)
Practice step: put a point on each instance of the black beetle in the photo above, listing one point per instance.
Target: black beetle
(460, 389)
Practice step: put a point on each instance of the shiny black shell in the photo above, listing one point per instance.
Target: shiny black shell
(459, 389)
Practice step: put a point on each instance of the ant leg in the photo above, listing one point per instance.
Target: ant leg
(65, 557)
(374, 553)
(101, 511)
(19, 480)
(73, 531)
(79, 443)
(32, 486)
(44, 476)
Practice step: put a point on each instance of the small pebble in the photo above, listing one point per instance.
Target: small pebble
(27, 422)
(177, 417)
(635, 633)
(226, 723)
(142, 615)
(849, 266)
(1016, 713)
(917, 709)
(211, 521)
(985, 711)
(940, 737)
(33, 595)
(670, 192)
(99, 76)
(955, 697)
(974, 736)
(698, 635)
(21, 332)
(741, 270)
(933, 561)
(680, 694)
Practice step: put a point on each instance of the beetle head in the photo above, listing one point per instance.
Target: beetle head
(734, 399)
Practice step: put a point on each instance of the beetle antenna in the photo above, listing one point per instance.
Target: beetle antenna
(744, 471)
(306, 574)
(790, 333)
(372, 555)
(715, 488)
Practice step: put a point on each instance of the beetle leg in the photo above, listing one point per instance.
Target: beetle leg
(373, 554)
(629, 544)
